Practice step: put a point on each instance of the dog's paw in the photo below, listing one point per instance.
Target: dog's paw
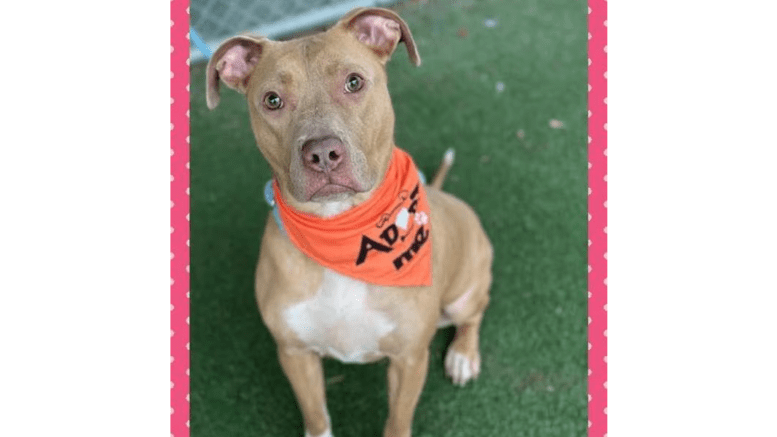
(327, 433)
(460, 368)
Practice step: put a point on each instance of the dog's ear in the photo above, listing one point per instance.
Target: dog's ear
(381, 30)
(232, 63)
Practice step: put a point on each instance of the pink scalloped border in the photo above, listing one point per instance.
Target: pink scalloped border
(597, 218)
(179, 218)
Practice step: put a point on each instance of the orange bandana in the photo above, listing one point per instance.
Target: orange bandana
(383, 241)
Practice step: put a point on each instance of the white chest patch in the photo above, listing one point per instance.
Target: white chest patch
(337, 321)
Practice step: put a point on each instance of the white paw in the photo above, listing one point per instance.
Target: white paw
(327, 433)
(459, 368)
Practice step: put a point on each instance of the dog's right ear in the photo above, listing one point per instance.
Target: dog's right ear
(232, 63)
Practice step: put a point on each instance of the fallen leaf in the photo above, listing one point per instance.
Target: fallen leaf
(462, 32)
(556, 124)
(335, 379)
(520, 134)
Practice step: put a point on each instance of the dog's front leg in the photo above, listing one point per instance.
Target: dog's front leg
(306, 375)
(406, 377)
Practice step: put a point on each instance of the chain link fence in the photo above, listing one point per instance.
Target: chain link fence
(213, 21)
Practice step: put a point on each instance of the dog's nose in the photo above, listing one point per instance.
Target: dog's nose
(323, 154)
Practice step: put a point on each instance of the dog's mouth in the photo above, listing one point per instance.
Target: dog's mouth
(328, 186)
(338, 183)
(329, 190)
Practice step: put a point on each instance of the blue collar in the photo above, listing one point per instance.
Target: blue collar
(269, 197)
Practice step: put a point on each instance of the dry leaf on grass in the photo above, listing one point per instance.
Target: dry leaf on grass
(520, 134)
(335, 379)
(556, 124)
(462, 32)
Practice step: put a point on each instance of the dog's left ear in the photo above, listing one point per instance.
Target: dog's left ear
(232, 63)
(381, 30)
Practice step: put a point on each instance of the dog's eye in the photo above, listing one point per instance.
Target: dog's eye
(354, 83)
(272, 101)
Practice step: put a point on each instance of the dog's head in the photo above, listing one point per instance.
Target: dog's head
(319, 105)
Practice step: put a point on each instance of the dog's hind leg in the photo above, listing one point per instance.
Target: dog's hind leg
(462, 361)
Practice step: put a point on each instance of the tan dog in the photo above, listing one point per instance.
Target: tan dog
(322, 117)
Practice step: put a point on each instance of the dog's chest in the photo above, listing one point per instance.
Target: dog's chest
(338, 322)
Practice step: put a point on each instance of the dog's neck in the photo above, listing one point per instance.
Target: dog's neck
(331, 209)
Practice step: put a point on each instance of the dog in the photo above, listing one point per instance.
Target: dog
(360, 260)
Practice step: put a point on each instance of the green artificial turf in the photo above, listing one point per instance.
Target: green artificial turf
(526, 180)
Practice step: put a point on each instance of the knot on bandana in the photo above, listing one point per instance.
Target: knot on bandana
(385, 240)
